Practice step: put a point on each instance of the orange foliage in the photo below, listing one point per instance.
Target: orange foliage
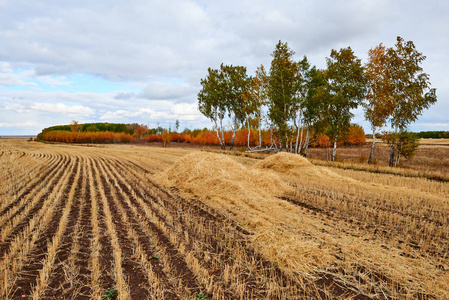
(321, 140)
(87, 137)
(154, 138)
(207, 137)
(166, 138)
(356, 135)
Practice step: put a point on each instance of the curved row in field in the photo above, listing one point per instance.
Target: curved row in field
(86, 225)
(86, 222)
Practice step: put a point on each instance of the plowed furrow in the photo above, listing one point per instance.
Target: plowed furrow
(23, 182)
(65, 273)
(131, 270)
(43, 251)
(84, 242)
(179, 266)
(32, 188)
(110, 252)
(215, 259)
(214, 241)
(374, 219)
(106, 259)
(142, 183)
(16, 174)
(159, 281)
(95, 267)
(21, 249)
(34, 207)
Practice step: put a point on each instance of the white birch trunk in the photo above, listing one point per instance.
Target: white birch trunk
(260, 134)
(249, 133)
(222, 135)
(370, 159)
(280, 144)
(300, 142)
(334, 151)
(297, 140)
(218, 135)
(306, 143)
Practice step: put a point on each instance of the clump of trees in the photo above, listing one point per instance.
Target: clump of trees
(222, 96)
(132, 129)
(397, 91)
(299, 104)
(242, 138)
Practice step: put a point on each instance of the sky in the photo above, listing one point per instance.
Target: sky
(142, 61)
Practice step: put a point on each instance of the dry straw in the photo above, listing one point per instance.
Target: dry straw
(305, 243)
(218, 176)
(251, 195)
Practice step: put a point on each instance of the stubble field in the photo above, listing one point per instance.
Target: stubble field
(132, 222)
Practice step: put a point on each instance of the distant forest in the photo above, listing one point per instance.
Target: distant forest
(135, 129)
(433, 134)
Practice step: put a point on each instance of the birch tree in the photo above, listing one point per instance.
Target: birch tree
(222, 96)
(212, 101)
(282, 89)
(255, 100)
(345, 81)
(236, 84)
(411, 92)
(378, 105)
(314, 110)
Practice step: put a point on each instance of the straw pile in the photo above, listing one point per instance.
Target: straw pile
(289, 164)
(248, 195)
(298, 167)
(285, 163)
(212, 175)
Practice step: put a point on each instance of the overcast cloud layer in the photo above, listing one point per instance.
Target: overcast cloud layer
(142, 61)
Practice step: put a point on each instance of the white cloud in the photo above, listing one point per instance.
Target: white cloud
(165, 48)
(444, 126)
(5, 67)
(19, 125)
(61, 108)
(167, 91)
(186, 111)
(12, 79)
(142, 113)
(54, 81)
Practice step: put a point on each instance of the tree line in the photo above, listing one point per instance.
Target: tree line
(139, 133)
(296, 101)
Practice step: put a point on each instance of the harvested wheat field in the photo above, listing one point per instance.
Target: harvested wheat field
(130, 222)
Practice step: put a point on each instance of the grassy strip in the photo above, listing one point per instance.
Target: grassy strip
(349, 166)
(380, 170)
